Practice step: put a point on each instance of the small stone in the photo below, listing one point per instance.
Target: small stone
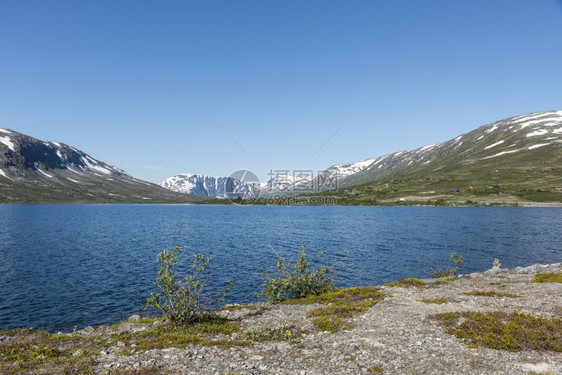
(134, 319)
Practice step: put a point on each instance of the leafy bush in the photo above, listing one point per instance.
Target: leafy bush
(183, 301)
(452, 270)
(296, 281)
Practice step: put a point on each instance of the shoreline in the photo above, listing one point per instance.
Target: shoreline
(397, 334)
(406, 203)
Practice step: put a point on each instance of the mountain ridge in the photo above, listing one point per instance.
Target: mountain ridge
(206, 186)
(511, 152)
(33, 170)
(520, 155)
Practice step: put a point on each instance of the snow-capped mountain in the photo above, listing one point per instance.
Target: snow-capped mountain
(35, 170)
(209, 186)
(525, 141)
(518, 141)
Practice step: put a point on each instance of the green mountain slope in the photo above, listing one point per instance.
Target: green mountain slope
(519, 158)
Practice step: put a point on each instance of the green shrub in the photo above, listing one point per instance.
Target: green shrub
(183, 301)
(296, 281)
(452, 270)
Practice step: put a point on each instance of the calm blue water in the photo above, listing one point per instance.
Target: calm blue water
(67, 265)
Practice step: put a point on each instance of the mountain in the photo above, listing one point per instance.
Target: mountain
(518, 155)
(32, 170)
(287, 183)
(208, 186)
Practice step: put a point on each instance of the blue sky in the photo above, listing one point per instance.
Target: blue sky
(279, 76)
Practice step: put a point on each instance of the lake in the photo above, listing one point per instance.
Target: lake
(77, 265)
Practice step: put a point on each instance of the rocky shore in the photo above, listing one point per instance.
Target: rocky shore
(399, 335)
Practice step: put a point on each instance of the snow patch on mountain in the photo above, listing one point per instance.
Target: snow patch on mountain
(537, 132)
(44, 173)
(538, 145)
(500, 154)
(8, 142)
(92, 164)
(552, 118)
(494, 145)
(351, 168)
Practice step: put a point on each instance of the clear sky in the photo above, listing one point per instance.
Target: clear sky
(279, 76)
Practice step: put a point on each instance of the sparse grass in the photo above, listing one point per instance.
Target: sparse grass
(376, 370)
(491, 293)
(409, 282)
(331, 323)
(31, 351)
(28, 350)
(550, 277)
(438, 300)
(350, 294)
(282, 332)
(343, 310)
(125, 352)
(513, 331)
(173, 336)
(342, 304)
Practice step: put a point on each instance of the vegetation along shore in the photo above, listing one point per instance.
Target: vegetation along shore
(502, 321)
